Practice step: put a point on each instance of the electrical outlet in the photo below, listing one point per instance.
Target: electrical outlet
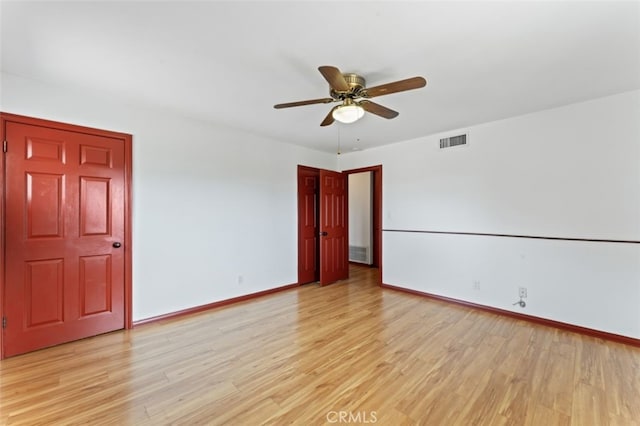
(522, 292)
(476, 285)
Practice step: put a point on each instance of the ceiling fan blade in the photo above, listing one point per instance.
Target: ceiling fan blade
(301, 103)
(334, 77)
(396, 86)
(378, 109)
(328, 120)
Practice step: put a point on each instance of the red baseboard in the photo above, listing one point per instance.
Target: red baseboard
(543, 321)
(201, 308)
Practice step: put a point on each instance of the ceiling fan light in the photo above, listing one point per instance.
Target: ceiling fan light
(348, 113)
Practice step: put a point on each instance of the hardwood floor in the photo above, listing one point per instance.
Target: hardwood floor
(350, 353)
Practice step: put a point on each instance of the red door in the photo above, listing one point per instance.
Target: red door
(334, 262)
(65, 219)
(308, 270)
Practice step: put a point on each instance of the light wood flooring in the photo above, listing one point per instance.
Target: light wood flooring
(350, 353)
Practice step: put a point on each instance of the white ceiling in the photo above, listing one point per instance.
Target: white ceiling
(230, 62)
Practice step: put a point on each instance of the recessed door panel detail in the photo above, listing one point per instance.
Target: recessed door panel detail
(44, 292)
(309, 209)
(95, 206)
(339, 214)
(95, 284)
(341, 254)
(95, 156)
(309, 261)
(44, 200)
(329, 210)
(45, 150)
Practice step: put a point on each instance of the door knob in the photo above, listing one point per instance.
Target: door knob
(117, 244)
(324, 233)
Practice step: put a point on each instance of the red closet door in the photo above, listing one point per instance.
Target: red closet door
(65, 218)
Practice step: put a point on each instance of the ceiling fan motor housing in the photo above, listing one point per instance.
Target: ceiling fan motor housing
(356, 84)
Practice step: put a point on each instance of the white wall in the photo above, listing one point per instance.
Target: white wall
(567, 172)
(571, 172)
(209, 203)
(360, 199)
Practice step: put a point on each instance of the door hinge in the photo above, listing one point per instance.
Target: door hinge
(4, 146)
(4, 322)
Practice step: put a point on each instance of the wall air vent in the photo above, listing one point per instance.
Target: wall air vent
(453, 141)
(359, 254)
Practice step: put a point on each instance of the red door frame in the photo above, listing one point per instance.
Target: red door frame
(376, 213)
(127, 141)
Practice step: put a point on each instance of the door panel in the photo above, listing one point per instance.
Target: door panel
(95, 284)
(65, 207)
(334, 262)
(45, 150)
(44, 205)
(44, 292)
(95, 206)
(95, 155)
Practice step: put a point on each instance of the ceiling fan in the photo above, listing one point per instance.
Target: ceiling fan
(351, 91)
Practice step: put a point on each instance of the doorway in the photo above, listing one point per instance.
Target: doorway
(66, 254)
(314, 209)
(322, 226)
(376, 212)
